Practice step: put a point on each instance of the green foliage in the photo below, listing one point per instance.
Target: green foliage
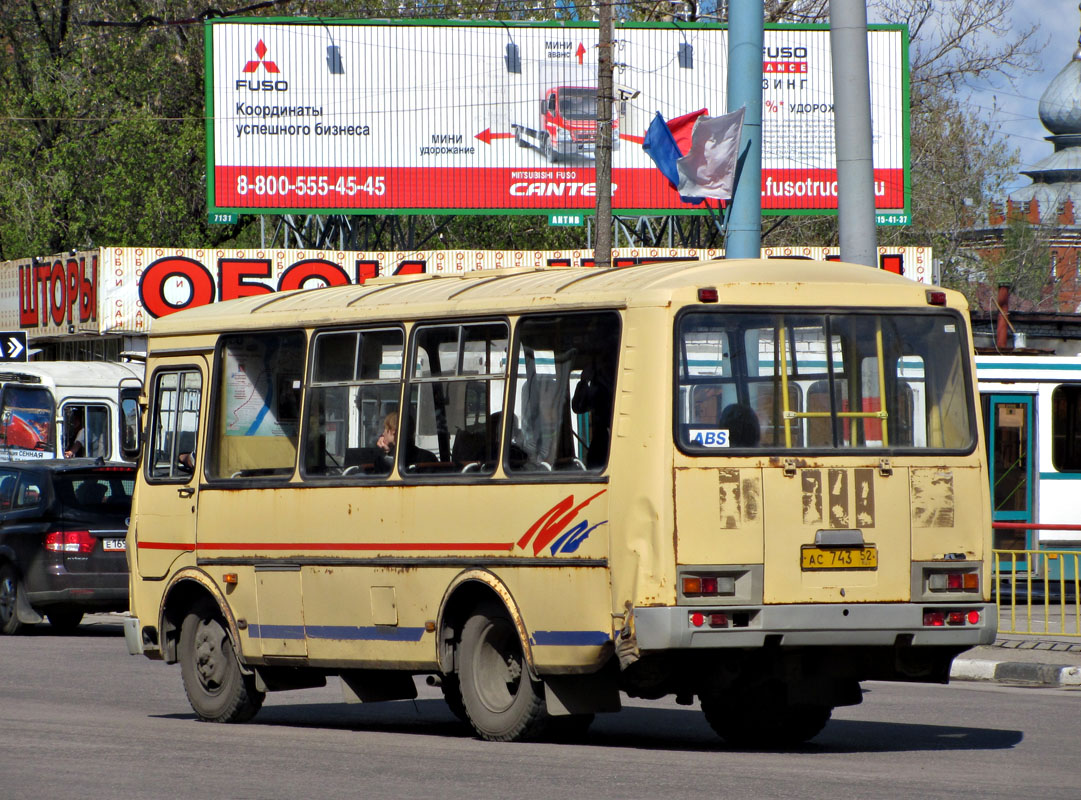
(102, 129)
(102, 135)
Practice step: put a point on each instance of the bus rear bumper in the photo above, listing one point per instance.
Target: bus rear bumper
(880, 624)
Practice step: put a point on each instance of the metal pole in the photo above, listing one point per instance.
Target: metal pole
(602, 253)
(852, 132)
(745, 36)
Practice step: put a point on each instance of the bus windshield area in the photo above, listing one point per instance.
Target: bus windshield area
(27, 419)
(831, 381)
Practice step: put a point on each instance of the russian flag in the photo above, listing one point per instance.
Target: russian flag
(667, 142)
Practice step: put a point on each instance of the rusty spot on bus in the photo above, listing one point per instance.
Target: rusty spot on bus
(865, 498)
(838, 494)
(812, 496)
(752, 499)
(932, 498)
(728, 498)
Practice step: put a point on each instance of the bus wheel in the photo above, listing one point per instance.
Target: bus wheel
(9, 601)
(766, 724)
(217, 690)
(452, 694)
(502, 701)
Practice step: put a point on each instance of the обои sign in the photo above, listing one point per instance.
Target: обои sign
(121, 290)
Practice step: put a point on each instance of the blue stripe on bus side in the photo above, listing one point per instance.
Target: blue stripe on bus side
(393, 634)
(347, 632)
(1060, 476)
(570, 638)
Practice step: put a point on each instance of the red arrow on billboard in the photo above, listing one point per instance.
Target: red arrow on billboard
(486, 135)
(581, 52)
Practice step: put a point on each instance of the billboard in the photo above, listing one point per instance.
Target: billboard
(122, 290)
(399, 117)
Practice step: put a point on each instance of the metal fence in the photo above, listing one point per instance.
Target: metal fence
(1037, 591)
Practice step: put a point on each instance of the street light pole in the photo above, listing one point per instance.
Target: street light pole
(602, 252)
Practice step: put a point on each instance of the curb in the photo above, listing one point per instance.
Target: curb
(968, 669)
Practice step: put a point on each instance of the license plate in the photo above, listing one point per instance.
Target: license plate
(114, 545)
(812, 557)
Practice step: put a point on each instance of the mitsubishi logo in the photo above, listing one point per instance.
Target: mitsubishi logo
(269, 66)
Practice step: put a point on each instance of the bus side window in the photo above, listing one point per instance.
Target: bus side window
(455, 391)
(257, 414)
(174, 424)
(86, 430)
(354, 391)
(564, 392)
(1066, 428)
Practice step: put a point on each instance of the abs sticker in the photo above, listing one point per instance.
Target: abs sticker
(709, 437)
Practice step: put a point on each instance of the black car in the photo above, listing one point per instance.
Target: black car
(63, 529)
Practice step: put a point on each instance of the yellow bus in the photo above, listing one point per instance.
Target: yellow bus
(755, 483)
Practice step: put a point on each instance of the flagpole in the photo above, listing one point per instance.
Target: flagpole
(602, 252)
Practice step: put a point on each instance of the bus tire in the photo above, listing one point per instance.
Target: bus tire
(452, 694)
(501, 699)
(9, 601)
(217, 689)
(766, 724)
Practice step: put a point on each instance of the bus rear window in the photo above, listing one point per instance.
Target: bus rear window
(858, 381)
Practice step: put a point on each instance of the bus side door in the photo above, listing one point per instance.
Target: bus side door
(165, 513)
(1011, 461)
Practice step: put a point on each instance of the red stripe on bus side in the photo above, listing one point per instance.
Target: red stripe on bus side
(296, 546)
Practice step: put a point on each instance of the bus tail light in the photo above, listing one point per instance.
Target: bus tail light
(938, 618)
(69, 542)
(714, 619)
(708, 585)
(954, 581)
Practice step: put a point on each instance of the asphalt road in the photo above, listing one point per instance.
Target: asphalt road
(80, 718)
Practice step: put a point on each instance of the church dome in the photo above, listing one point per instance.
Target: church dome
(1060, 105)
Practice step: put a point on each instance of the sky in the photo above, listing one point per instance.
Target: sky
(1058, 23)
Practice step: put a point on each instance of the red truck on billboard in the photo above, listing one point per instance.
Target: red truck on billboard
(566, 124)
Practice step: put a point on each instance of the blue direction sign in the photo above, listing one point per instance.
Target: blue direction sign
(13, 346)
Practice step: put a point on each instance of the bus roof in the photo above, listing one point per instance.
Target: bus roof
(743, 282)
(72, 373)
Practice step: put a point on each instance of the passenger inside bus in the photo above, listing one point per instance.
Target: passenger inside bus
(76, 435)
(387, 438)
(593, 396)
(385, 442)
(742, 425)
